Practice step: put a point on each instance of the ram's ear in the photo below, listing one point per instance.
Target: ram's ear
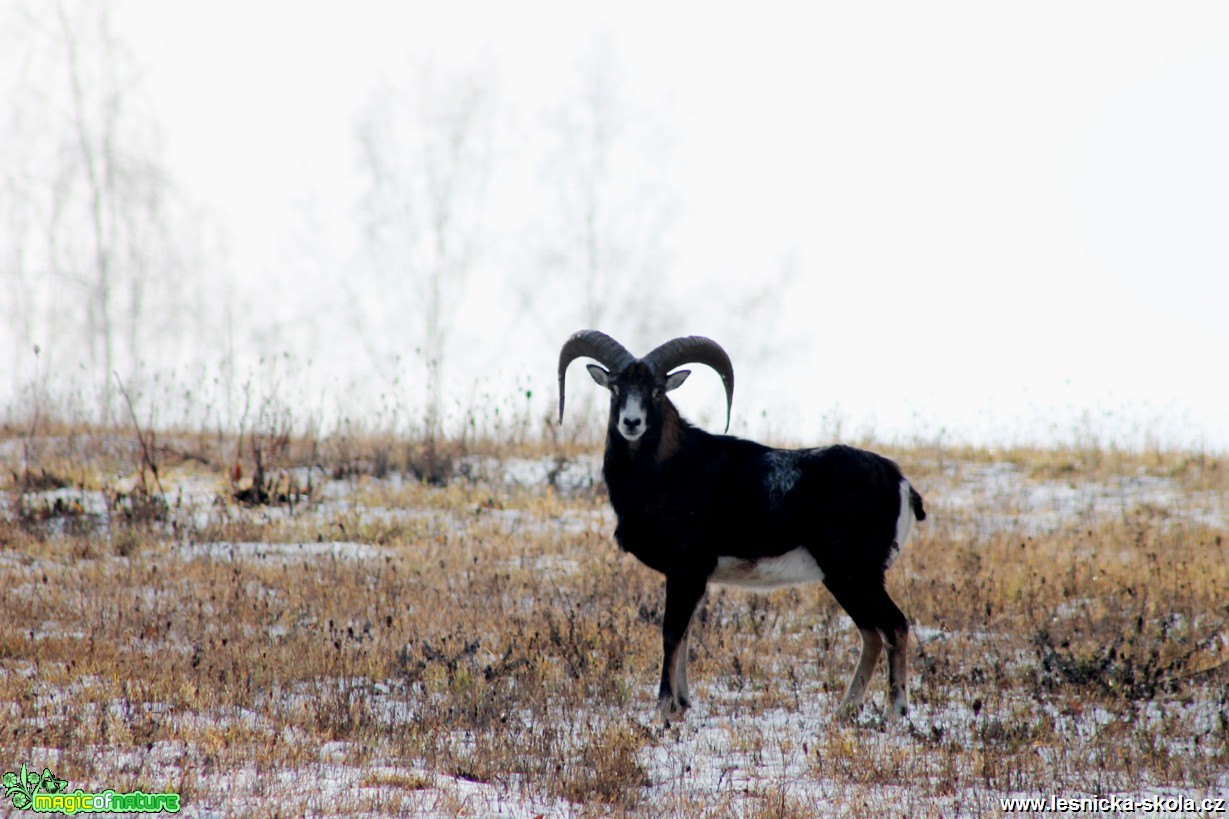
(601, 376)
(675, 379)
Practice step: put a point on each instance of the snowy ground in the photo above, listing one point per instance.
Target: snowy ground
(766, 745)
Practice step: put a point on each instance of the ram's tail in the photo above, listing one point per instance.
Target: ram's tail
(915, 500)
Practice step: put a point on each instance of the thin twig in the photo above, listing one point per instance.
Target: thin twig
(181, 453)
(147, 459)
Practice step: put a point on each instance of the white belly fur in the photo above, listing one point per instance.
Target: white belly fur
(767, 573)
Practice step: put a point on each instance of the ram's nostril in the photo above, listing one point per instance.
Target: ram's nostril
(631, 423)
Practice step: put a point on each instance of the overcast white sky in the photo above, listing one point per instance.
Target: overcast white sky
(1002, 216)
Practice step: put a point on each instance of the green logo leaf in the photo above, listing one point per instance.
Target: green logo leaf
(17, 788)
(24, 786)
(50, 784)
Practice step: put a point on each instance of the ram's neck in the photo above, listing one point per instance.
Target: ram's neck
(673, 431)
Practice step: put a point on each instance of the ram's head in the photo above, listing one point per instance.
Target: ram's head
(638, 386)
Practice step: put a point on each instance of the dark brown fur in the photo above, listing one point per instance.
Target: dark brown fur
(671, 433)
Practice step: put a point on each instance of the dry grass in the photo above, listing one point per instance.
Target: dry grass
(387, 647)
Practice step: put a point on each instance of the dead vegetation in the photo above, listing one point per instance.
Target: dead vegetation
(410, 648)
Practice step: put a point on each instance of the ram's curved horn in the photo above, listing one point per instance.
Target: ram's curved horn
(699, 350)
(596, 345)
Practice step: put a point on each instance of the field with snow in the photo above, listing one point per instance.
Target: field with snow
(354, 642)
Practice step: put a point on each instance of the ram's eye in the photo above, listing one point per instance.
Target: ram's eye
(614, 389)
(657, 393)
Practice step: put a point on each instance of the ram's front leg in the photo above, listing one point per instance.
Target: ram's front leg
(683, 594)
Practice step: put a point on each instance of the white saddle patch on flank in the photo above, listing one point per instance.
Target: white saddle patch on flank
(783, 475)
(789, 569)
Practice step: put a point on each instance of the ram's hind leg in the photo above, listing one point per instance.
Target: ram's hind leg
(881, 622)
(898, 663)
(872, 644)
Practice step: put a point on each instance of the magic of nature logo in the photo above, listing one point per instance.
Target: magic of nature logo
(45, 793)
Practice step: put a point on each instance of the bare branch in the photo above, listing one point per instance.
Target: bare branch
(148, 461)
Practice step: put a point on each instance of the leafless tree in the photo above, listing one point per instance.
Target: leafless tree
(94, 249)
(425, 144)
(24, 197)
(612, 201)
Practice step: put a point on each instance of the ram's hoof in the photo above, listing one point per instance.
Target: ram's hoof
(848, 711)
(671, 709)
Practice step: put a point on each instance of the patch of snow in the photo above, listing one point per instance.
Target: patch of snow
(338, 550)
(545, 565)
(1042, 506)
(568, 475)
